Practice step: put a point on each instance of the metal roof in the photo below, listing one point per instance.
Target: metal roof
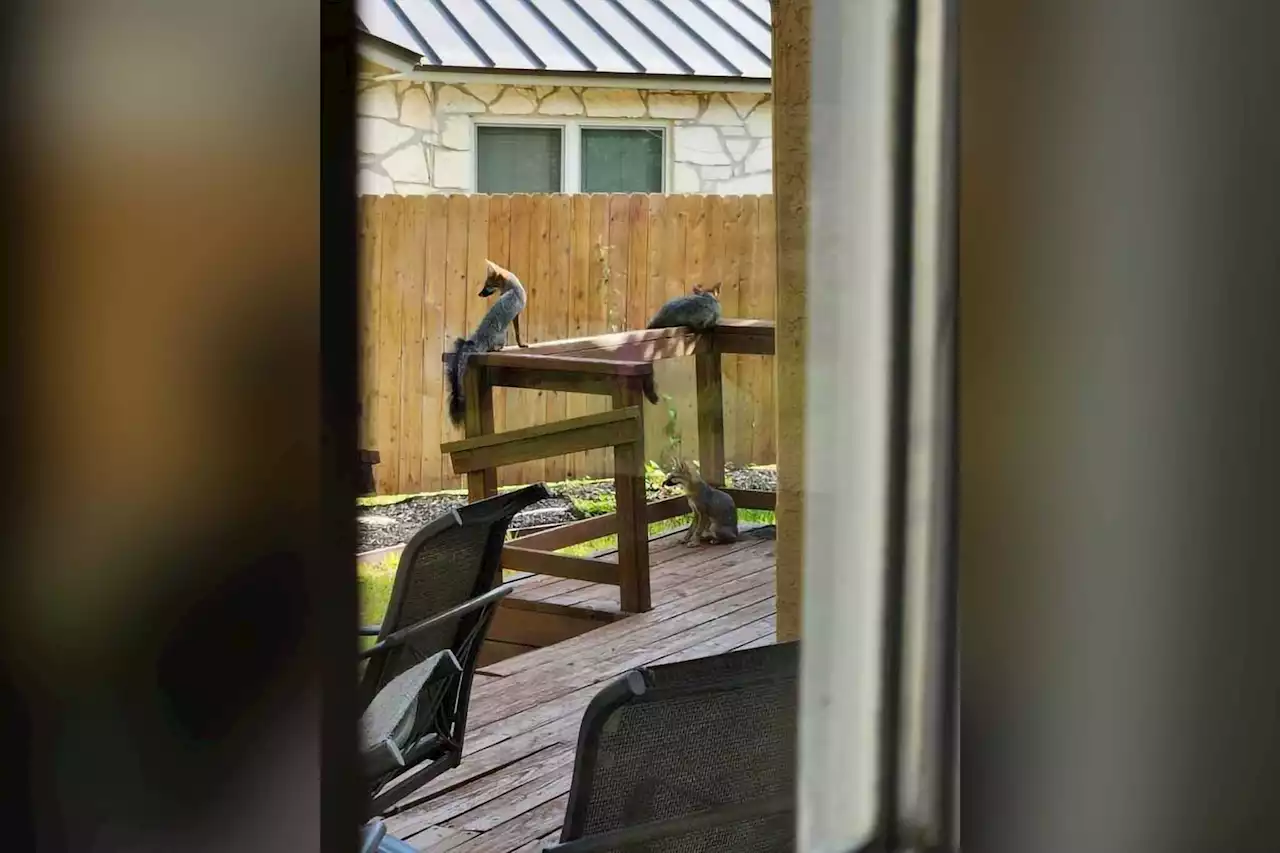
(697, 38)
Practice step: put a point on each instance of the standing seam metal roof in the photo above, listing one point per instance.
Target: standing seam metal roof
(699, 38)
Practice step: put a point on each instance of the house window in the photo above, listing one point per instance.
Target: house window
(519, 155)
(622, 160)
(519, 159)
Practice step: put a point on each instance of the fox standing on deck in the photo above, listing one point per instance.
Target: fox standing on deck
(490, 334)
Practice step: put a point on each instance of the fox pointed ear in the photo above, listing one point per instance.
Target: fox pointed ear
(716, 287)
(490, 267)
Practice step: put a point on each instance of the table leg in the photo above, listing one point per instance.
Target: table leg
(633, 531)
(710, 417)
(479, 391)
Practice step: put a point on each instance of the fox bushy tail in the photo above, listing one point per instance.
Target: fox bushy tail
(650, 392)
(463, 349)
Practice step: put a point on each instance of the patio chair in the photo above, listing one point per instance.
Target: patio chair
(417, 676)
(691, 756)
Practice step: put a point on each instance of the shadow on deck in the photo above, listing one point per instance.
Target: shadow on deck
(510, 791)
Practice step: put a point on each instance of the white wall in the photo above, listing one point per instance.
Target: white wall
(418, 138)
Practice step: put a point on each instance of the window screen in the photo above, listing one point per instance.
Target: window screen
(518, 159)
(622, 160)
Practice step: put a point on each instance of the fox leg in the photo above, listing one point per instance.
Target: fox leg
(515, 322)
(694, 527)
(700, 530)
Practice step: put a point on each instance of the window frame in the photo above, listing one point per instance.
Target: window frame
(623, 124)
(571, 128)
(477, 123)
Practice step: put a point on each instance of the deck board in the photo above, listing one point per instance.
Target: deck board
(663, 550)
(509, 793)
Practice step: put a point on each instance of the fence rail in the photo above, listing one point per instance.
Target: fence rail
(591, 264)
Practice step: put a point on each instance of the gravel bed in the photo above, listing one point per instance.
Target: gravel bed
(394, 524)
(762, 479)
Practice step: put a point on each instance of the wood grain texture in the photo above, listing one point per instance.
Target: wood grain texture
(598, 304)
(520, 412)
(370, 244)
(390, 367)
(544, 440)
(500, 254)
(580, 251)
(558, 307)
(481, 483)
(413, 297)
(435, 388)
(791, 124)
(559, 565)
(633, 532)
(457, 291)
(764, 306)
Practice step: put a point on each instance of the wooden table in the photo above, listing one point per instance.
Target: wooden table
(618, 366)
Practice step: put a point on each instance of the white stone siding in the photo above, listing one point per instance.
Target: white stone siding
(416, 138)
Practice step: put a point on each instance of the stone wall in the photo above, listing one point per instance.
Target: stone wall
(416, 138)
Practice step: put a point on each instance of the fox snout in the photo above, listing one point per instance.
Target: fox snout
(671, 480)
(488, 291)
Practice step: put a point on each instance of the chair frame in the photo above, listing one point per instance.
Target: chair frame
(624, 690)
(441, 750)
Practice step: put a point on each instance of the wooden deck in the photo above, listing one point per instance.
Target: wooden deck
(510, 791)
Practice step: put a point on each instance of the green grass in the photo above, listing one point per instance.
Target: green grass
(595, 506)
(373, 582)
(657, 528)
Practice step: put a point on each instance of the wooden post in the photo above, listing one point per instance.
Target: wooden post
(791, 121)
(479, 391)
(633, 530)
(710, 392)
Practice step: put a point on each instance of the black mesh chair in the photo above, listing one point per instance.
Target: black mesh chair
(691, 756)
(417, 676)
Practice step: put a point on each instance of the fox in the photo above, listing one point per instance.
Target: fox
(699, 310)
(490, 335)
(715, 517)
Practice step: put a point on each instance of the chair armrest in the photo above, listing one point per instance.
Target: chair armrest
(398, 638)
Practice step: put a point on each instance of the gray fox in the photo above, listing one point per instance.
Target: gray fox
(699, 311)
(715, 518)
(490, 334)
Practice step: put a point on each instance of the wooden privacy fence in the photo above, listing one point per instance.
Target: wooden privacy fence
(591, 264)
